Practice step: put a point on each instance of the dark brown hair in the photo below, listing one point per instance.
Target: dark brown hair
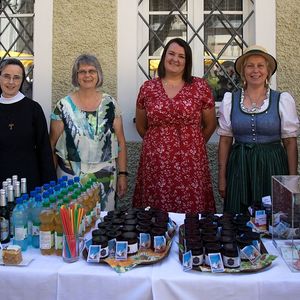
(187, 73)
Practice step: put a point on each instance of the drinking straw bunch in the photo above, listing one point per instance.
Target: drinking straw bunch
(71, 218)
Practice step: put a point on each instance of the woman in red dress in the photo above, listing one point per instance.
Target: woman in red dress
(175, 116)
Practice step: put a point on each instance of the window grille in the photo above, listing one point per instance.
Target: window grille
(217, 40)
(16, 35)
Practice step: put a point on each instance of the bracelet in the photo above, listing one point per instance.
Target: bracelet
(125, 173)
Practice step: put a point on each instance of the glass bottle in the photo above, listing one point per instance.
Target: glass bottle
(20, 224)
(10, 206)
(35, 215)
(4, 219)
(47, 229)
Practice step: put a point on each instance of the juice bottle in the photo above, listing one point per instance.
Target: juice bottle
(58, 231)
(47, 229)
(35, 215)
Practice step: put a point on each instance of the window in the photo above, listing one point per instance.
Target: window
(16, 31)
(215, 29)
(197, 21)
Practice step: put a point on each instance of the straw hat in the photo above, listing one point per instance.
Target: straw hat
(255, 50)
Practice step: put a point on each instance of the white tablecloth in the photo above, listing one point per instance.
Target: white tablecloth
(48, 277)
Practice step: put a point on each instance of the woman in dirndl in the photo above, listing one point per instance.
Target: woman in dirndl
(258, 130)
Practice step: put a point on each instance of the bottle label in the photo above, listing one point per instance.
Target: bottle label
(98, 210)
(132, 248)
(58, 241)
(45, 240)
(231, 262)
(197, 260)
(11, 227)
(35, 230)
(52, 239)
(20, 233)
(29, 226)
(4, 229)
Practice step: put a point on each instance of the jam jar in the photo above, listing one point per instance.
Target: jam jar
(227, 239)
(114, 234)
(129, 217)
(144, 215)
(230, 255)
(156, 231)
(211, 248)
(100, 231)
(143, 229)
(131, 238)
(209, 239)
(104, 224)
(103, 242)
(131, 221)
(117, 221)
(127, 228)
(197, 252)
(191, 215)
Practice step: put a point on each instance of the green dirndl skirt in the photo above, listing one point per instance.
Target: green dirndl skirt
(249, 172)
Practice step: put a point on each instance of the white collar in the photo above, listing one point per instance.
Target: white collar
(11, 100)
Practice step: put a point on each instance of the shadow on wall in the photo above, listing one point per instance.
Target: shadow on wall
(134, 148)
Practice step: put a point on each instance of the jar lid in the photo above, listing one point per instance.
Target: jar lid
(128, 228)
(104, 224)
(144, 215)
(210, 225)
(129, 236)
(225, 239)
(210, 239)
(143, 229)
(130, 222)
(112, 234)
(145, 223)
(97, 232)
(193, 238)
(129, 217)
(117, 221)
(100, 240)
(228, 232)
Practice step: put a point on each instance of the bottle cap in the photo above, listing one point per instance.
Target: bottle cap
(19, 200)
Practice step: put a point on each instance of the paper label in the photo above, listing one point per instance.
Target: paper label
(45, 240)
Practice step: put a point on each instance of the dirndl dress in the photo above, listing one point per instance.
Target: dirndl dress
(256, 155)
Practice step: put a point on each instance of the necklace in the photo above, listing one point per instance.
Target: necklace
(254, 107)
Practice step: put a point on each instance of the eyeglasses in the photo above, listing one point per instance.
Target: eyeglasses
(89, 72)
(9, 78)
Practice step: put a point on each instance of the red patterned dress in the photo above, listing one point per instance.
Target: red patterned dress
(173, 173)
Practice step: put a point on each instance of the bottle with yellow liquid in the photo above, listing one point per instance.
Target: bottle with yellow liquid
(47, 216)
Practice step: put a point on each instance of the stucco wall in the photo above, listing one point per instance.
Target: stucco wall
(288, 47)
(84, 27)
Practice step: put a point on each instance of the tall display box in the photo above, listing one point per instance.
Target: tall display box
(286, 219)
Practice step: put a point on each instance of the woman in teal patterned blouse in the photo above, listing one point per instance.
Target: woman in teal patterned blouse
(86, 132)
